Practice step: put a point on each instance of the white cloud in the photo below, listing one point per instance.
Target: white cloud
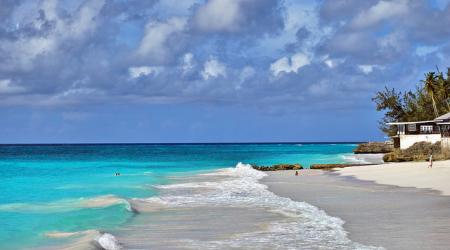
(297, 15)
(188, 63)
(219, 15)
(84, 21)
(135, 72)
(425, 50)
(23, 51)
(78, 92)
(393, 44)
(368, 68)
(381, 11)
(153, 44)
(6, 87)
(332, 63)
(329, 63)
(289, 65)
(213, 69)
(246, 73)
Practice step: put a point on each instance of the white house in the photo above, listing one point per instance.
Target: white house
(432, 131)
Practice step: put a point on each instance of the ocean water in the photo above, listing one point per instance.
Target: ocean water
(180, 196)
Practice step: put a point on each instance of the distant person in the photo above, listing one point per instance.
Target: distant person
(431, 160)
(296, 173)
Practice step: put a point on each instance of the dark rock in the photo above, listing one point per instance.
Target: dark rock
(373, 148)
(278, 167)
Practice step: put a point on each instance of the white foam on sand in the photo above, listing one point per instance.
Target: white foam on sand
(66, 205)
(304, 226)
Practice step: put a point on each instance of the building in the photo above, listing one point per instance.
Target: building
(432, 131)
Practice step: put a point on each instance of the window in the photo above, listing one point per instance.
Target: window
(412, 127)
(426, 128)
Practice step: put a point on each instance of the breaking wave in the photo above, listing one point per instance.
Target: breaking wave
(304, 225)
(67, 205)
(363, 158)
(86, 240)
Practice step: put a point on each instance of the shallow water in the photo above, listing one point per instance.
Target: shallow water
(50, 190)
(234, 211)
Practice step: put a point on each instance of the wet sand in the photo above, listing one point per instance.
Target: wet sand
(381, 215)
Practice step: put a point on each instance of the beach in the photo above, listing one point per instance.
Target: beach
(380, 204)
(405, 174)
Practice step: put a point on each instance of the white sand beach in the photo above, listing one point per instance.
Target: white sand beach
(405, 174)
(388, 216)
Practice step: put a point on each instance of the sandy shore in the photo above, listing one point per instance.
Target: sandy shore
(377, 215)
(405, 174)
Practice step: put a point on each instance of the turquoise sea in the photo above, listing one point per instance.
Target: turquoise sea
(51, 189)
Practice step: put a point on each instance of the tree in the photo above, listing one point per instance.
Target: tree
(426, 102)
(431, 87)
(389, 100)
(444, 87)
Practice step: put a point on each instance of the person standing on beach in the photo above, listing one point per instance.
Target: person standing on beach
(431, 160)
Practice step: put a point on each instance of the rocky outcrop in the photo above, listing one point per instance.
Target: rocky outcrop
(373, 148)
(278, 167)
(330, 166)
(420, 151)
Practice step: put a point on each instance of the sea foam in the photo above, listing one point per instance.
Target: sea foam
(67, 205)
(108, 242)
(304, 226)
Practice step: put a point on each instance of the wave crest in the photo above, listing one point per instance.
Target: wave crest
(305, 223)
(67, 205)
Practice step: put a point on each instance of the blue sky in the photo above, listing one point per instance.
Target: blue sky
(210, 70)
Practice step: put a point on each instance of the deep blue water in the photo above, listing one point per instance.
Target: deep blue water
(47, 188)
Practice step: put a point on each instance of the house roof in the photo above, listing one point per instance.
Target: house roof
(403, 123)
(443, 117)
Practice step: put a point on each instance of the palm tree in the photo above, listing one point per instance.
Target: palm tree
(443, 86)
(432, 89)
(446, 89)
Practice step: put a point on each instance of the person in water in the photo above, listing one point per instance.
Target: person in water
(296, 173)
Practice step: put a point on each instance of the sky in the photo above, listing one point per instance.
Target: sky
(210, 70)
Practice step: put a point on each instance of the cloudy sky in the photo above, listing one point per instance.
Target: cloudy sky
(210, 70)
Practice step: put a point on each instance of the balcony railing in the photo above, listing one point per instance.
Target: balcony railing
(424, 132)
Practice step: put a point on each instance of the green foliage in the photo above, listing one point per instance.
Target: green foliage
(430, 99)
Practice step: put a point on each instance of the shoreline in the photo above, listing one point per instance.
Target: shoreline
(374, 214)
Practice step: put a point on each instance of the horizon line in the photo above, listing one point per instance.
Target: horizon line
(176, 143)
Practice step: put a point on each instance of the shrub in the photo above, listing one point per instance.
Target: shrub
(420, 151)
